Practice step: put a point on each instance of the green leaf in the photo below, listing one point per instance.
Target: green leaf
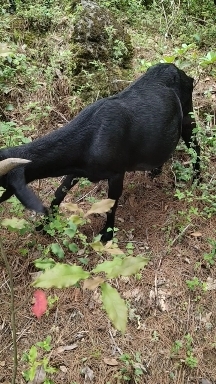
(111, 268)
(44, 263)
(73, 247)
(57, 250)
(97, 246)
(61, 275)
(121, 267)
(115, 306)
(77, 220)
(14, 223)
(132, 265)
(32, 355)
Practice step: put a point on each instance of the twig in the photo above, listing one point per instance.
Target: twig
(88, 193)
(13, 323)
(180, 234)
(114, 343)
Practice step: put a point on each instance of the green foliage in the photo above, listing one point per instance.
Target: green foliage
(184, 350)
(38, 365)
(114, 306)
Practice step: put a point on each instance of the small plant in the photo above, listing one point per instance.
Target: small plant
(37, 364)
(195, 283)
(211, 256)
(133, 368)
(122, 264)
(184, 350)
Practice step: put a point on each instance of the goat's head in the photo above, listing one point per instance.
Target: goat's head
(7, 165)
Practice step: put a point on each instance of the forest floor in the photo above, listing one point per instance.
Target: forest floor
(171, 332)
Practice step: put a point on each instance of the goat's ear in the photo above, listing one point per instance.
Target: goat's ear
(172, 75)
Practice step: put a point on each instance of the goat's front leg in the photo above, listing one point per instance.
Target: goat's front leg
(68, 182)
(188, 125)
(114, 192)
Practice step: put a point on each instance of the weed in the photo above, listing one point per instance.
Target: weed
(37, 364)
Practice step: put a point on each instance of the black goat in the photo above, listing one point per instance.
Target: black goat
(137, 129)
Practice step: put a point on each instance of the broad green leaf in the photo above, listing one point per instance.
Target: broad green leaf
(77, 220)
(169, 59)
(70, 232)
(60, 276)
(32, 354)
(15, 223)
(44, 263)
(111, 268)
(115, 306)
(93, 283)
(101, 206)
(121, 267)
(131, 265)
(57, 250)
(73, 247)
(97, 246)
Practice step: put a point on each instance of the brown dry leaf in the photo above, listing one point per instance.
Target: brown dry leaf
(2, 363)
(97, 297)
(160, 299)
(110, 361)
(64, 348)
(100, 207)
(93, 283)
(210, 284)
(206, 318)
(40, 376)
(196, 234)
(132, 201)
(72, 207)
(63, 368)
(77, 295)
(114, 251)
(133, 293)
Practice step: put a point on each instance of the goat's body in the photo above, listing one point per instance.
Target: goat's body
(138, 129)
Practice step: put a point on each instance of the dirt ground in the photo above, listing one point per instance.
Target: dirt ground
(162, 311)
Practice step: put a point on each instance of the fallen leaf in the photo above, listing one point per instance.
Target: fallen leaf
(110, 361)
(196, 234)
(64, 348)
(92, 283)
(89, 374)
(133, 293)
(101, 207)
(2, 363)
(205, 381)
(40, 305)
(210, 284)
(63, 368)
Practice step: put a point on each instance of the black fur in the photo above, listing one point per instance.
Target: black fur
(137, 129)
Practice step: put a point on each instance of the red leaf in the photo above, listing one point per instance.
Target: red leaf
(40, 305)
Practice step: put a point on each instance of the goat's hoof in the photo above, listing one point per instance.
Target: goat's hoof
(106, 236)
(154, 173)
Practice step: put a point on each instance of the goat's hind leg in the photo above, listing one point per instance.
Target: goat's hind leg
(114, 193)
